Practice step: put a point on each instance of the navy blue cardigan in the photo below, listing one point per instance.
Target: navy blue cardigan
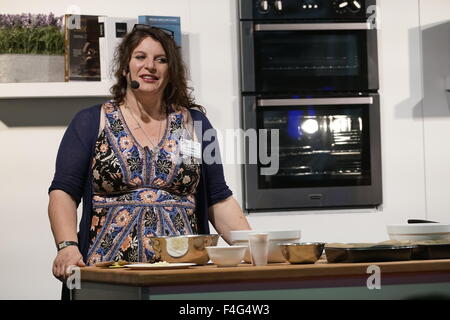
(73, 173)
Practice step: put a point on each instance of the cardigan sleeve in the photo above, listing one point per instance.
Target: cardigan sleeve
(74, 154)
(215, 185)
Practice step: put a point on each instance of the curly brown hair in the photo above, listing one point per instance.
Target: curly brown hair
(176, 94)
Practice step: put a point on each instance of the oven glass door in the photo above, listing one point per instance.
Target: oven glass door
(323, 145)
(312, 60)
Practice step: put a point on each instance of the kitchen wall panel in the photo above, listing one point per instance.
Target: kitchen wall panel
(435, 40)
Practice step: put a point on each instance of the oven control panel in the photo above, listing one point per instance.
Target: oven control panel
(350, 10)
(347, 6)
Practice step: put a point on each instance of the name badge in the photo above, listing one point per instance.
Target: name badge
(191, 148)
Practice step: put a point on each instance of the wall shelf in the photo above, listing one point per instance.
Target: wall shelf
(55, 89)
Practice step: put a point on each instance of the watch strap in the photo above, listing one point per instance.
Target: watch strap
(65, 244)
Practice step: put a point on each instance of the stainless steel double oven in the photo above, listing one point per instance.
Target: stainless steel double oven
(309, 70)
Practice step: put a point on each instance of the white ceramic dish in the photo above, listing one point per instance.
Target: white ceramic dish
(157, 266)
(276, 237)
(226, 256)
(419, 231)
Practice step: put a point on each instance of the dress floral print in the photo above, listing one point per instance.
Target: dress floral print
(139, 193)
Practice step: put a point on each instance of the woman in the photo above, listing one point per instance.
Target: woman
(133, 162)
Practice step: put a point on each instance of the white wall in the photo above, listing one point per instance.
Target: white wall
(435, 32)
(414, 123)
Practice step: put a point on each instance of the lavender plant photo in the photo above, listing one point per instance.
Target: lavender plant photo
(33, 41)
(31, 33)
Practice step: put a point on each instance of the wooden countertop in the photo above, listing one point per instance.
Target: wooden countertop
(246, 272)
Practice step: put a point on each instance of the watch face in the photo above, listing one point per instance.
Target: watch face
(64, 244)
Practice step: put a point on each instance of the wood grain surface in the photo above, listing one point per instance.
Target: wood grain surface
(246, 272)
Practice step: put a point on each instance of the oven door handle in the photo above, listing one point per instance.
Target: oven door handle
(312, 26)
(313, 101)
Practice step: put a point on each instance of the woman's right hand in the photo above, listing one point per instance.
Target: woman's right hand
(69, 256)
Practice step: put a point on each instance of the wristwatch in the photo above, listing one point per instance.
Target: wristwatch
(65, 244)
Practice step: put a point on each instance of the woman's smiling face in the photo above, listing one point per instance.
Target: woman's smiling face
(149, 66)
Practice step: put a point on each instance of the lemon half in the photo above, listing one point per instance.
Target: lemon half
(177, 247)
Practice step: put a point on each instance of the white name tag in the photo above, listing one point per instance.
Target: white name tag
(191, 148)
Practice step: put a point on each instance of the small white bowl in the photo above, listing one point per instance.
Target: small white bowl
(226, 256)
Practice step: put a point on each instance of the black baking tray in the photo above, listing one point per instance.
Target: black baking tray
(431, 251)
(369, 254)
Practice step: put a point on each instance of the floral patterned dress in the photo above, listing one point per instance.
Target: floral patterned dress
(138, 192)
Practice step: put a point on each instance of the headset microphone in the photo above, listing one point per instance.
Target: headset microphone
(133, 83)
